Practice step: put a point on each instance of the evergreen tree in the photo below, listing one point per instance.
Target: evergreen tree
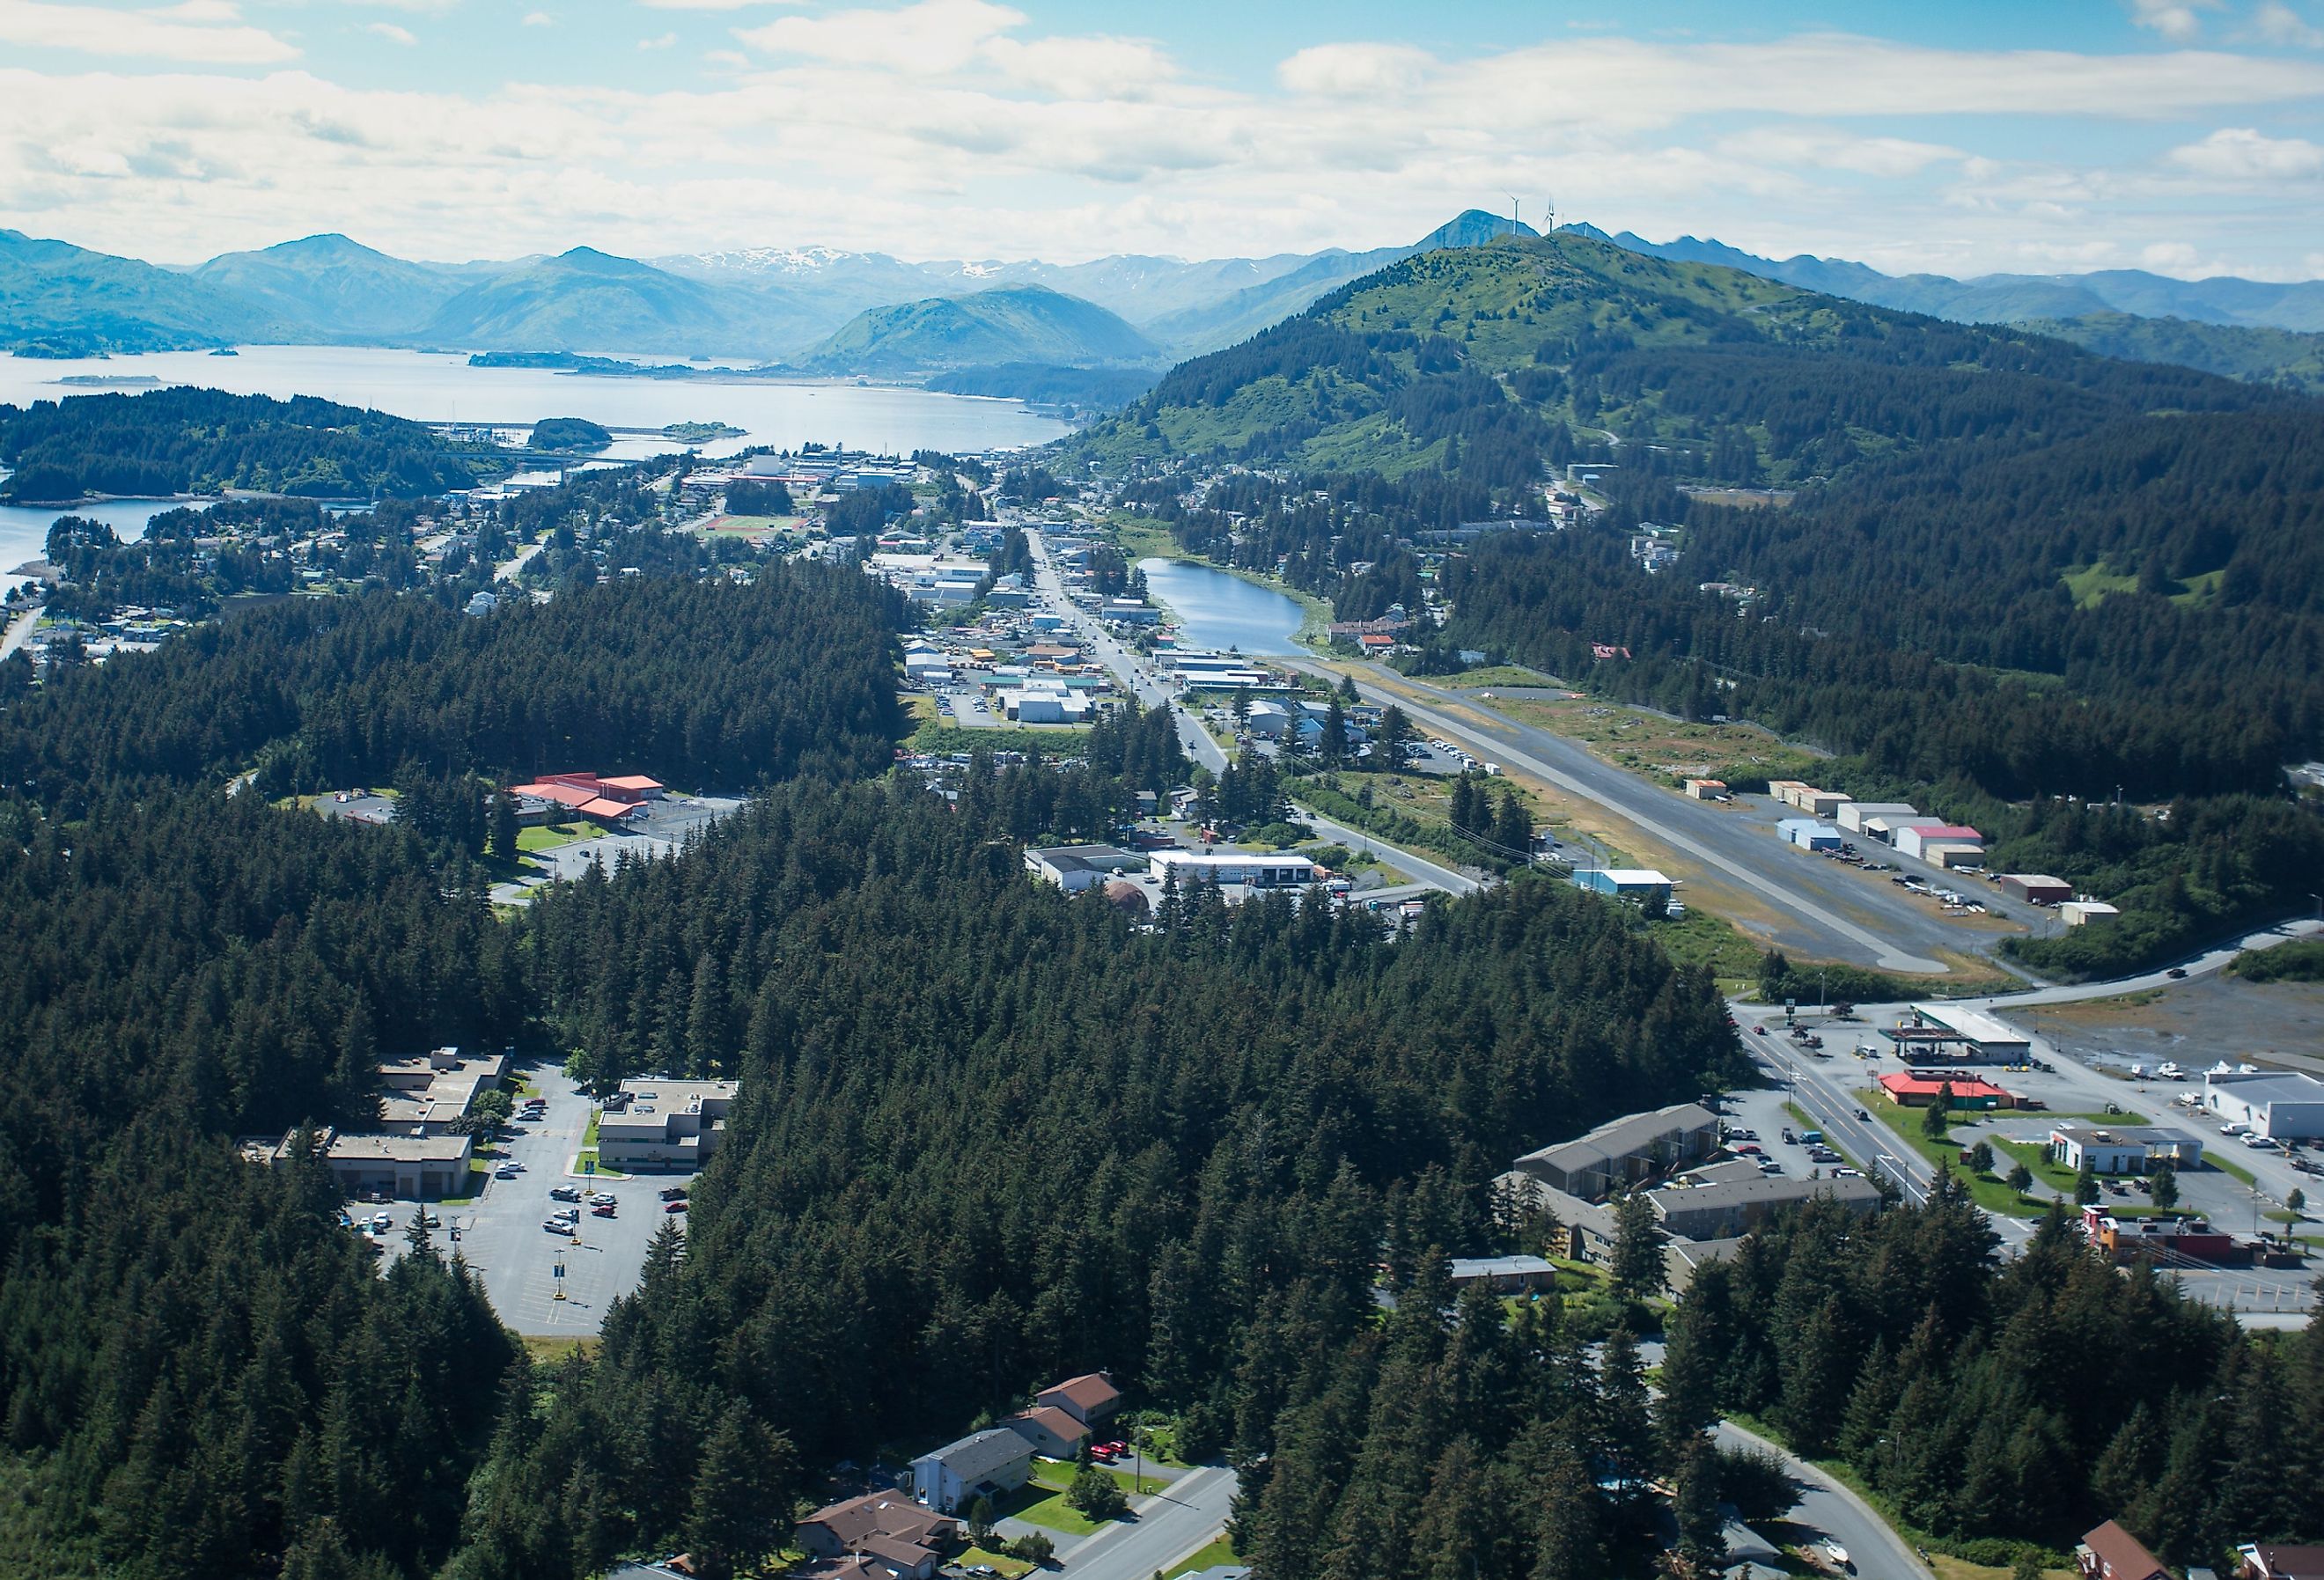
(1635, 1262)
(2164, 1183)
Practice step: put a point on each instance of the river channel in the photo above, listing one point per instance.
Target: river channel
(1220, 611)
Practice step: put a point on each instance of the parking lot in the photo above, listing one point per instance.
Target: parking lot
(659, 833)
(502, 1237)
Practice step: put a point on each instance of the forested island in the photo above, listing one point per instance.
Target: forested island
(184, 440)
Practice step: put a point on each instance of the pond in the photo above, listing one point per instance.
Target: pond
(1221, 611)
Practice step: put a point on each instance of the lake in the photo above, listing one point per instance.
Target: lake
(1216, 610)
(431, 386)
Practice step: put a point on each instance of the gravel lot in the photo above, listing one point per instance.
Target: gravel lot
(662, 831)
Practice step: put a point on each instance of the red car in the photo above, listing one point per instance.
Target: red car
(674, 1206)
(604, 1211)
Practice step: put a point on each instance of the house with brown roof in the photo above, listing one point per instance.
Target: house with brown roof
(901, 1539)
(2112, 1553)
(2269, 1560)
(1089, 1399)
(1053, 1434)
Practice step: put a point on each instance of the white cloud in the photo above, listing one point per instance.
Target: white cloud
(2239, 153)
(930, 39)
(1826, 148)
(2175, 19)
(959, 126)
(2275, 23)
(662, 42)
(199, 32)
(391, 34)
(710, 4)
(1356, 70)
(538, 19)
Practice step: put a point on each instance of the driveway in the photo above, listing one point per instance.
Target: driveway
(1831, 1510)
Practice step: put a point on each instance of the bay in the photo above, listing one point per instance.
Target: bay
(431, 386)
(1219, 611)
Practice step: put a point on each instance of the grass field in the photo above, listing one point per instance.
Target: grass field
(544, 1351)
(1496, 675)
(1219, 1551)
(1644, 742)
(1044, 1504)
(549, 835)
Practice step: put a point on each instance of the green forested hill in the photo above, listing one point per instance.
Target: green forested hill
(1012, 324)
(2288, 358)
(1477, 360)
(184, 440)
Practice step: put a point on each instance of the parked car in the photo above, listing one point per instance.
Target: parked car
(505, 1173)
(603, 1198)
(677, 1206)
(1748, 1150)
(673, 1193)
(556, 1225)
(381, 1223)
(605, 1211)
(563, 1193)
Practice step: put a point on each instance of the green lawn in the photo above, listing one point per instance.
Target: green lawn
(1040, 1502)
(1984, 1189)
(1010, 1568)
(549, 835)
(1219, 1551)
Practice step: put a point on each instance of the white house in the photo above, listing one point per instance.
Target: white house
(982, 1465)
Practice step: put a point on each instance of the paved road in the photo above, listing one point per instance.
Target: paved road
(507, 569)
(19, 631)
(1421, 868)
(1198, 740)
(1846, 919)
(1831, 1510)
(1168, 1526)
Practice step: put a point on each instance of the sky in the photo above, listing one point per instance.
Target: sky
(1970, 136)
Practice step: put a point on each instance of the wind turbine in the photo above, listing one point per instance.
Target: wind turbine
(1515, 229)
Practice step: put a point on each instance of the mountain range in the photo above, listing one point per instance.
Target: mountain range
(830, 311)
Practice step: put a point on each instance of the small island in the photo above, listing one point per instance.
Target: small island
(570, 435)
(702, 432)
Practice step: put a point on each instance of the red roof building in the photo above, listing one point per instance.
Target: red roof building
(608, 801)
(1919, 1088)
(1089, 1399)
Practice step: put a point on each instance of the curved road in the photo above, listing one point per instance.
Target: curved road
(1827, 1507)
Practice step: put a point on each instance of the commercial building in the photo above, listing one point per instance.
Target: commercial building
(2168, 1242)
(1915, 839)
(1707, 789)
(429, 1093)
(1622, 882)
(2278, 1105)
(1936, 1026)
(982, 1465)
(605, 801)
(1503, 1275)
(2036, 887)
(1075, 867)
(2123, 1149)
(1809, 835)
(412, 1167)
(1815, 802)
(1248, 868)
(2083, 912)
(1625, 1151)
(655, 1125)
(1920, 1088)
(1733, 1207)
(1854, 815)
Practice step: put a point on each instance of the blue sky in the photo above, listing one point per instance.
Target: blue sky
(2181, 135)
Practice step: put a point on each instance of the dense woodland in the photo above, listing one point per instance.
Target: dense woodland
(703, 684)
(185, 440)
(2025, 1400)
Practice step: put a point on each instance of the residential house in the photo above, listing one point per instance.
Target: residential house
(900, 1539)
(2270, 1560)
(1089, 1398)
(982, 1465)
(1050, 1431)
(1503, 1275)
(2112, 1553)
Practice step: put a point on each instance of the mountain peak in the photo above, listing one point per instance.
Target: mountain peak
(1473, 227)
